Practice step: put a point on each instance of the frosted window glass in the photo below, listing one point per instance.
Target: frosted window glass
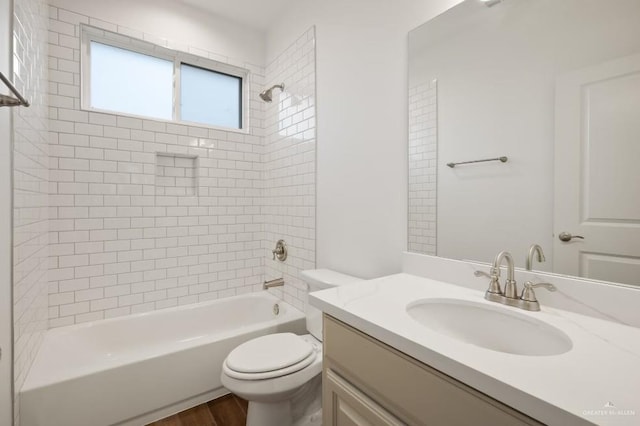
(210, 97)
(131, 82)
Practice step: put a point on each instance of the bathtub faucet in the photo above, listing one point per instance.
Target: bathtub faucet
(278, 282)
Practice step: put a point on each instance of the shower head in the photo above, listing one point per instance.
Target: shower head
(267, 95)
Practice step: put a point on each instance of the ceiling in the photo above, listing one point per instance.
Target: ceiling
(258, 14)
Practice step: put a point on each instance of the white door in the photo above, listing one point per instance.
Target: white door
(6, 358)
(597, 172)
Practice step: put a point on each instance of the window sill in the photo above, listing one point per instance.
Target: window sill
(244, 131)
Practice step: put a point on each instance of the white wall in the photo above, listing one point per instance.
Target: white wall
(177, 22)
(362, 125)
(5, 224)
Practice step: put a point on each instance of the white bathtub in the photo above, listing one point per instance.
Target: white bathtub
(136, 369)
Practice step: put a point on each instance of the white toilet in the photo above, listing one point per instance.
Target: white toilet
(279, 374)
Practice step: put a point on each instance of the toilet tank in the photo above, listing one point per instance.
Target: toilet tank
(320, 279)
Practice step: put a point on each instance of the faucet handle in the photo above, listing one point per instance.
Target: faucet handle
(529, 295)
(494, 292)
(482, 274)
(528, 299)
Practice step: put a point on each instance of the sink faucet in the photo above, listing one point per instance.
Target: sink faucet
(510, 289)
(533, 250)
(527, 300)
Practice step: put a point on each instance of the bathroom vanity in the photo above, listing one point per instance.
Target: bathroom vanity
(365, 379)
(416, 349)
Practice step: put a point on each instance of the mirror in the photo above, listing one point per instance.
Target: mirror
(554, 86)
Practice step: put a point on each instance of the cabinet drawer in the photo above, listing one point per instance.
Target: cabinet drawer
(414, 392)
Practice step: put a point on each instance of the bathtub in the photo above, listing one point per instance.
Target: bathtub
(136, 369)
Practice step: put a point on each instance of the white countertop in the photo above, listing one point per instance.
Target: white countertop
(602, 368)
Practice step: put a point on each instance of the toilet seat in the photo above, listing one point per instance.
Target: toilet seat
(269, 356)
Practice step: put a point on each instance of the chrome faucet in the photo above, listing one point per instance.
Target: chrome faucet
(510, 288)
(533, 250)
(526, 301)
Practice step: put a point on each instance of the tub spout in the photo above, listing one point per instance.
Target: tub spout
(278, 282)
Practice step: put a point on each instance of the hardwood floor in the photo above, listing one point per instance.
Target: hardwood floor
(228, 410)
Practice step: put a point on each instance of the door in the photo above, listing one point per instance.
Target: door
(597, 172)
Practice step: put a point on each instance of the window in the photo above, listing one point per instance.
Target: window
(210, 97)
(130, 82)
(142, 79)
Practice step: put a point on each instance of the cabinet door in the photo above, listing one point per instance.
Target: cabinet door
(344, 405)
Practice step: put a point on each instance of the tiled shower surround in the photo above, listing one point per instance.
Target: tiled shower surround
(30, 183)
(423, 151)
(289, 166)
(148, 214)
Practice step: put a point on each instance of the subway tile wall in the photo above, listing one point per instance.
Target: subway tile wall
(30, 186)
(289, 166)
(176, 175)
(423, 151)
(126, 238)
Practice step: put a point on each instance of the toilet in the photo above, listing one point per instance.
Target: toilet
(279, 374)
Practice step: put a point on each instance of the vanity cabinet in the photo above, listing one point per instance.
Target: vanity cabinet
(366, 382)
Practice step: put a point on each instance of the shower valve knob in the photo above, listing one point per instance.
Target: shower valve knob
(280, 252)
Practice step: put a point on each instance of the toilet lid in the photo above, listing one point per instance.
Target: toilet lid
(270, 374)
(269, 353)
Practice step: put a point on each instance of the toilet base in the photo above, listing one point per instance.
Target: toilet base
(269, 413)
(300, 409)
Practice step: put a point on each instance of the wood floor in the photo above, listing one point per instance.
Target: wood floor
(228, 410)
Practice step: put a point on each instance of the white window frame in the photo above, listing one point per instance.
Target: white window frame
(90, 34)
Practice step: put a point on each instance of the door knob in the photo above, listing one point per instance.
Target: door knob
(566, 236)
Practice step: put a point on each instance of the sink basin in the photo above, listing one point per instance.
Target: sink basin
(497, 328)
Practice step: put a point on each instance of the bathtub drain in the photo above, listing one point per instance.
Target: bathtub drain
(276, 309)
